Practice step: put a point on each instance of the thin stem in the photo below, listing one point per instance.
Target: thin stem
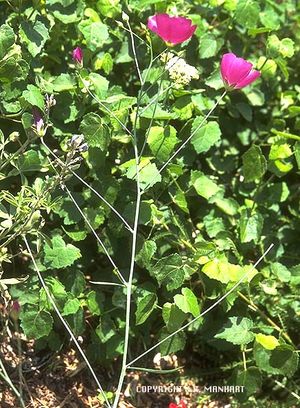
(191, 135)
(134, 34)
(67, 327)
(62, 164)
(108, 283)
(206, 310)
(156, 97)
(244, 360)
(95, 234)
(134, 54)
(291, 392)
(155, 371)
(286, 135)
(265, 317)
(5, 376)
(129, 287)
(154, 110)
(132, 261)
(104, 106)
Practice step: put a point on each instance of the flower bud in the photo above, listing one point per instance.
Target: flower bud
(83, 148)
(38, 121)
(15, 310)
(76, 141)
(77, 56)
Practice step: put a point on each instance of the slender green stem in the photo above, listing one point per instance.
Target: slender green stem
(95, 234)
(291, 392)
(67, 327)
(104, 106)
(155, 371)
(190, 137)
(129, 286)
(107, 283)
(62, 164)
(17, 153)
(133, 251)
(286, 135)
(5, 376)
(220, 300)
(134, 54)
(153, 113)
(265, 317)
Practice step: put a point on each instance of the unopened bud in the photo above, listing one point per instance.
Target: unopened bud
(125, 17)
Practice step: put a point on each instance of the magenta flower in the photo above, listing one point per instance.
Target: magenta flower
(173, 30)
(38, 121)
(77, 55)
(237, 72)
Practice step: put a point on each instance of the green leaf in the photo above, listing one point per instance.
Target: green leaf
(209, 46)
(250, 378)
(95, 132)
(63, 82)
(100, 85)
(281, 271)
(7, 39)
(145, 255)
(172, 345)
(71, 307)
(267, 341)
(187, 302)
(57, 289)
(205, 137)
(247, 13)
(95, 302)
(157, 113)
(146, 303)
(34, 34)
(162, 141)
(36, 323)
(169, 272)
(254, 164)
(60, 254)
(280, 150)
(148, 172)
(34, 96)
(225, 272)
(282, 360)
(277, 48)
(172, 316)
(109, 8)
(297, 153)
(77, 322)
(250, 226)
(95, 33)
(30, 161)
(237, 331)
(106, 329)
(204, 186)
(66, 11)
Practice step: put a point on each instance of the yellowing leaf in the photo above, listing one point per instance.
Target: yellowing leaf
(268, 342)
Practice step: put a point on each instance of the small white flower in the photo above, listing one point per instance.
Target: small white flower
(179, 71)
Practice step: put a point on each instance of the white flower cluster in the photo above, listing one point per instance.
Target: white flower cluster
(179, 71)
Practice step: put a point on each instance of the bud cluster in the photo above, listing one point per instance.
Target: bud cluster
(179, 71)
(77, 144)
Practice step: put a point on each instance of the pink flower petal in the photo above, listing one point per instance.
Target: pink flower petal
(251, 77)
(152, 24)
(226, 63)
(173, 30)
(238, 70)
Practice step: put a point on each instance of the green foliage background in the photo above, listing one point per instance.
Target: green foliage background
(229, 194)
